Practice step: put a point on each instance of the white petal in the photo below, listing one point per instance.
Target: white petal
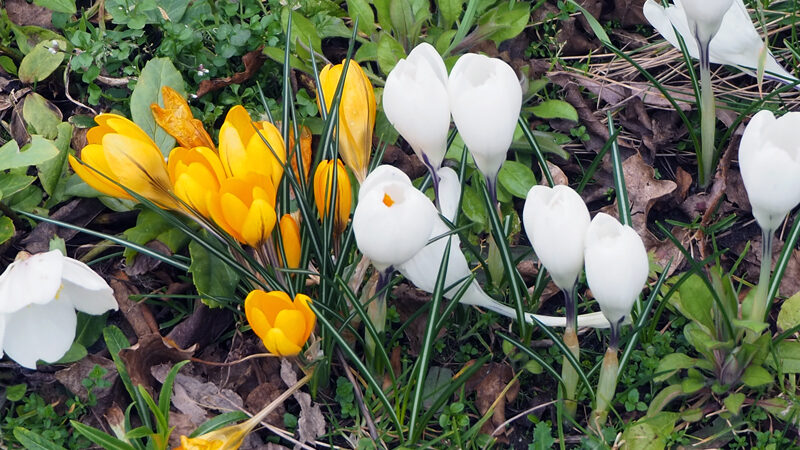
(416, 103)
(392, 223)
(87, 291)
(425, 53)
(423, 268)
(556, 221)
(35, 280)
(449, 192)
(382, 174)
(485, 100)
(40, 332)
(616, 265)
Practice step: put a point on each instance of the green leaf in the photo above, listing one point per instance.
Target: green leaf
(662, 399)
(389, 52)
(41, 116)
(166, 389)
(650, 433)
(788, 354)
(104, 440)
(7, 229)
(76, 352)
(543, 437)
(211, 277)
(218, 422)
(789, 315)
(89, 328)
(694, 301)
(62, 6)
(472, 205)
(52, 171)
(554, 109)
(157, 72)
(34, 441)
(37, 152)
(517, 178)
(16, 392)
(692, 385)
(304, 33)
(450, 11)
(150, 225)
(361, 10)
(755, 376)
(733, 402)
(8, 65)
(42, 60)
(501, 23)
(672, 363)
(11, 183)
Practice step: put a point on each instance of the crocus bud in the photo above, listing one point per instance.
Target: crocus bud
(392, 222)
(290, 236)
(556, 220)
(769, 159)
(356, 114)
(323, 192)
(705, 16)
(284, 325)
(415, 101)
(616, 266)
(485, 100)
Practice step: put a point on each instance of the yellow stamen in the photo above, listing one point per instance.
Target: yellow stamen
(387, 200)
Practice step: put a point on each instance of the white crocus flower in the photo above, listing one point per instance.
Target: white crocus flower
(736, 43)
(416, 103)
(769, 159)
(616, 266)
(38, 298)
(485, 100)
(392, 221)
(556, 220)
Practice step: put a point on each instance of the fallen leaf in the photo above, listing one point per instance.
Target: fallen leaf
(311, 422)
(151, 350)
(194, 396)
(262, 396)
(684, 181)
(489, 384)
(252, 61)
(72, 377)
(79, 212)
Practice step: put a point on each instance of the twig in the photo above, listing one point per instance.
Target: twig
(66, 88)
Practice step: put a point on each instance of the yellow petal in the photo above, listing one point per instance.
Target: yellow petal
(290, 237)
(177, 120)
(139, 167)
(277, 343)
(293, 324)
(232, 151)
(305, 151)
(259, 222)
(301, 302)
(240, 120)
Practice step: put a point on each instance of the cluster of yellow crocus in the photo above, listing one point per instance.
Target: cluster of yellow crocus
(234, 186)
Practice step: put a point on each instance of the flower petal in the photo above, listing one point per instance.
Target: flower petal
(86, 290)
(33, 280)
(40, 332)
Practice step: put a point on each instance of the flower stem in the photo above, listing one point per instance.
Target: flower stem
(376, 310)
(707, 115)
(606, 387)
(760, 301)
(568, 372)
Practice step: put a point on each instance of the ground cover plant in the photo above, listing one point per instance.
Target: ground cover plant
(379, 224)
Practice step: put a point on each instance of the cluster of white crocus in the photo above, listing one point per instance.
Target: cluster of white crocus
(483, 94)
(736, 42)
(38, 298)
(388, 240)
(769, 160)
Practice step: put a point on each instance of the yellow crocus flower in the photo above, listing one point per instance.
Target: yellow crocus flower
(323, 191)
(284, 325)
(176, 119)
(356, 114)
(305, 151)
(242, 150)
(123, 152)
(196, 173)
(290, 236)
(244, 207)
